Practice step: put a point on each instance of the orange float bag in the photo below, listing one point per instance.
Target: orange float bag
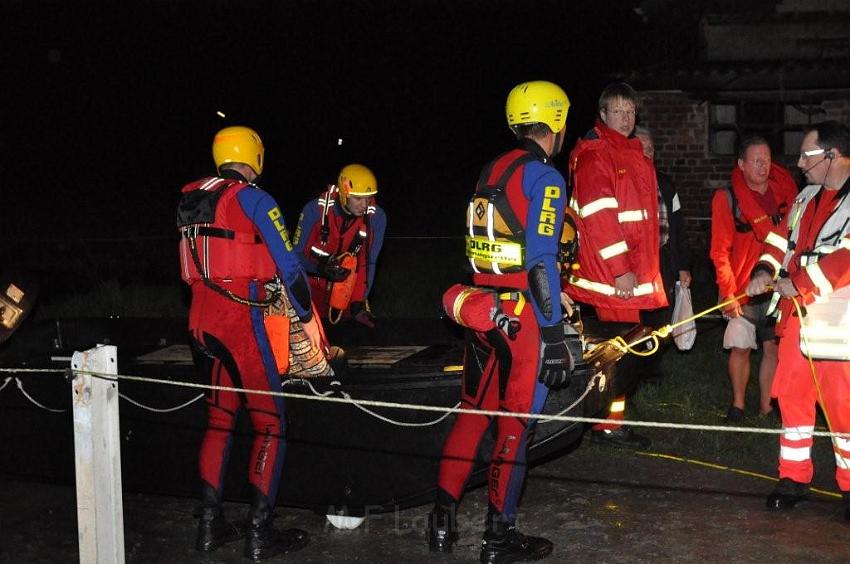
(341, 292)
(277, 329)
(471, 307)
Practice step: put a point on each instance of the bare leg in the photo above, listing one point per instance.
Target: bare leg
(739, 374)
(766, 370)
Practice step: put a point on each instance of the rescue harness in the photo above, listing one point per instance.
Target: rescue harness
(196, 210)
(495, 240)
(742, 226)
(341, 291)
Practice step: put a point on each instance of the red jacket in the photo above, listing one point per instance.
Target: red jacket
(735, 253)
(615, 195)
(831, 271)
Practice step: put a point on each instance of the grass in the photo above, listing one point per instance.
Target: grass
(695, 389)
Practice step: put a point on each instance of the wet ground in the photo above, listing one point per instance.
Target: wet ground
(595, 504)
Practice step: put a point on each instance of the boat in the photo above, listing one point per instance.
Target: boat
(341, 458)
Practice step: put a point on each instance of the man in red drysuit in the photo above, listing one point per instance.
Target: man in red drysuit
(233, 242)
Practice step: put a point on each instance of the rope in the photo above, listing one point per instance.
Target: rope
(161, 409)
(835, 448)
(34, 401)
(25, 370)
(20, 386)
(728, 469)
(664, 332)
(590, 384)
(357, 404)
(443, 409)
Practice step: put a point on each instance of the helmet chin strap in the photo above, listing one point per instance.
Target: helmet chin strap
(557, 144)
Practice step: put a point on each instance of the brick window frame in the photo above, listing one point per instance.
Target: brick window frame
(782, 124)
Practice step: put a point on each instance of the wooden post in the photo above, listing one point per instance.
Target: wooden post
(97, 450)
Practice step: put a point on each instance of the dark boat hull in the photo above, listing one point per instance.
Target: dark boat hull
(338, 459)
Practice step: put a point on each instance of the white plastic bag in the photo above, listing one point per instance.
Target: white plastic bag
(684, 335)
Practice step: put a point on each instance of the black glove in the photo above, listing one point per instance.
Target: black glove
(330, 268)
(556, 361)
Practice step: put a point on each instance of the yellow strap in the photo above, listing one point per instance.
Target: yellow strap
(518, 297)
(458, 303)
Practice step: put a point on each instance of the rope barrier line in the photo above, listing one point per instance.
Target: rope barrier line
(20, 386)
(25, 370)
(443, 409)
(34, 401)
(161, 409)
(749, 473)
(366, 410)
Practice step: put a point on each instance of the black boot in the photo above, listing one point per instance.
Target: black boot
(787, 494)
(502, 543)
(213, 529)
(263, 540)
(442, 524)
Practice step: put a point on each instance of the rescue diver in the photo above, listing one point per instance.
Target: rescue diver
(233, 242)
(338, 240)
(516, 349)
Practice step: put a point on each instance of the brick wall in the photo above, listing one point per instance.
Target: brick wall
(680, 127)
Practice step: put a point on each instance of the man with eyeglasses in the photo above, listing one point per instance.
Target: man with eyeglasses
(741, 217)
(807, 259)
(615, 196)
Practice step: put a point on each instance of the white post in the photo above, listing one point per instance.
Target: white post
(97, 450)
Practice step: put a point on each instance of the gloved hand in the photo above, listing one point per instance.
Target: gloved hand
(556, 361)
(362, 315)
(330, 268)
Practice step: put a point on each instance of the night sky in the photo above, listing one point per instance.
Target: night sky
(108, 109)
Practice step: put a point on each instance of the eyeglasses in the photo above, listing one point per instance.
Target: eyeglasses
(618, 113)
(806, 155)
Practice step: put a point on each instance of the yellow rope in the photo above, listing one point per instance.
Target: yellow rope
(664, 332)
(730, 469)
(835, 447)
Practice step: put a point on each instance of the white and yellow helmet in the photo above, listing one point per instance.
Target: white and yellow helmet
(538, 101)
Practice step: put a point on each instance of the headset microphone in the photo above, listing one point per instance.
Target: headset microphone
(818, 163)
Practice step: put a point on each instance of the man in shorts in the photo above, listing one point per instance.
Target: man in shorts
(741, 217)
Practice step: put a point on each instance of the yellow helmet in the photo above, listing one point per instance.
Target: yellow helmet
(538, 101)
(238, 144)
(356, 180)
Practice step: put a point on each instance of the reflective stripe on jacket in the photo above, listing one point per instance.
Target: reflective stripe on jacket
(615, 196)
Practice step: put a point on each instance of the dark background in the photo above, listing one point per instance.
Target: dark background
(108, 109)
